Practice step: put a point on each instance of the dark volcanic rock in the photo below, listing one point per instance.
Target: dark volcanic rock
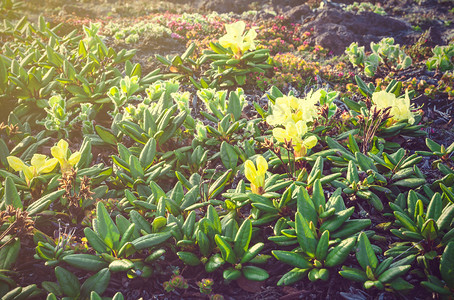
(296, 14)
(336, 29)
(226, 6)
(76, 10)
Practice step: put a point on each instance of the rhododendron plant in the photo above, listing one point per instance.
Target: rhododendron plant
(236, 40)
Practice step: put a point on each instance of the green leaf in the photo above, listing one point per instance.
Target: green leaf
(292, 258)
(255, 273)
(231, 274)
(410, 182)
(9, 254)
(121, 265)
(447, 265)
(353, 274)
(150, 240)
(95, 241)
(189, 258)
(305, 236)
(234, 106)
(447, 192)
(252, 252)
(429, 230)
(322, 246)
(405, 221)
(189, 224)
(127, 235)
(85, 262)
(352, 145)
(292, 276)
(140, 222)
(97, 283)
(306, 205)
(135, 168)
(337, 220)
(95, 296)
(351, 227)
(435, 207)
(318, 196)
(339, 254)
(243, 238)
(383, 266)
(352, 172)
(214, 263)
(204, 243)
(147, 154)
(106, 135)
(229, 157)
(68, 282)
(365, 253)
(436, 288)
(433, 146)
(43, 202)
(213, 216)
(226, 251)
(363, 88)
(106, 229)
(11, 196)
(393, 273)
(217, 187)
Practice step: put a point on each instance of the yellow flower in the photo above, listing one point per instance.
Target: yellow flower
(295, 132)
(400, 108)
(39, 165)
(235, 40)
(60, 152)
(289, 108)
(248, 41)
(256, 175)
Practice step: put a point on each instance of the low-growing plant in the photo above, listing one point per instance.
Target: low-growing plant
(441, 59)
(317, 221)
(365, 6)
(385, 55)
(443, 286)
(231, 59)
(384, 275)
(68, 285)
(424, 228)
(61, 121)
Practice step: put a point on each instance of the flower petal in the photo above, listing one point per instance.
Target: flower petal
(38, 160)
(48, 166)
(74, 158)
(310, 142)
(250, 171)
(63, 145)
(262, 165)
(58, 153)
(16, 163)
(279, 134)
(29, 173)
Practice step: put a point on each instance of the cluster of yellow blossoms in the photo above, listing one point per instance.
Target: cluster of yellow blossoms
(400, 108)
(236, 40)
(294, 114)
(41, 164)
